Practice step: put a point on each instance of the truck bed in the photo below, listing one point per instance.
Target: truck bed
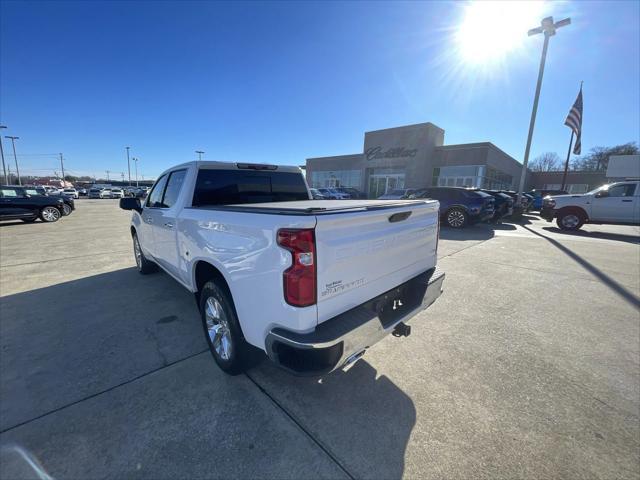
(316, 207)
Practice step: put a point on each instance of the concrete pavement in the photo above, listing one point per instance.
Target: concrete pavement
(528, 366)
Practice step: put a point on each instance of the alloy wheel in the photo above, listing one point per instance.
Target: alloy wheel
(218, 328)
(455, 218)
(570, 221)
(50, 214)
(137, 252)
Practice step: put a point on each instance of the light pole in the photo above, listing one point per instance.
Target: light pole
(4, 168)
(15, 157)
(199, 152)
(108, 172)
(128, 165)
(549, 29)
(62, 167)
(135, 162)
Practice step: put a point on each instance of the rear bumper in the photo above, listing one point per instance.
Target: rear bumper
(337, 341)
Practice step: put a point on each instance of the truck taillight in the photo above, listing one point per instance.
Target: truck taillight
(437, 234)
(300, 277)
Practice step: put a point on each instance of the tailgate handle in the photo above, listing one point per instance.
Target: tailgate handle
(400, 216)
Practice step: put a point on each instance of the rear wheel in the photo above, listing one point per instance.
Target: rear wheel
(456, 218)
(570, 220)
(144, 265)
(50, 214)
(222, 329)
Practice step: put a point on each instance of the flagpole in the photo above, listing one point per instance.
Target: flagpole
(566, 164)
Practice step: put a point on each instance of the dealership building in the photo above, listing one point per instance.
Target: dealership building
(415, 156)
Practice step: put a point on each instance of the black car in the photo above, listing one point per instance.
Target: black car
(503, 205)
(519, 208)
(17, 204)
(355, 193)
(460, 206)
(69, 203)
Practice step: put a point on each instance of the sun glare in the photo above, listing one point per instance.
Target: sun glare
(492, 29)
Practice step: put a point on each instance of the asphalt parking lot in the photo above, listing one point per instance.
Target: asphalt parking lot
(528, 366)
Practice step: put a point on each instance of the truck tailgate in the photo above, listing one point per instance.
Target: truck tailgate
(363, 254)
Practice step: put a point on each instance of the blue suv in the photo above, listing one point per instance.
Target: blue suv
(459, 206)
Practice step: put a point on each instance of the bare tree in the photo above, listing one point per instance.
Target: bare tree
(547, 162)
(598, 157)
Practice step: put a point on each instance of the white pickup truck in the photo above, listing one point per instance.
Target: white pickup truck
(616, 203)
(313, 283)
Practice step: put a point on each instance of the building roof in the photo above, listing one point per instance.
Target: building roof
(415, 125)
(474, 145)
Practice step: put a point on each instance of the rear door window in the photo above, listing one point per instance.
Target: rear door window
(226, 187)
(174, 186)
(9, 192)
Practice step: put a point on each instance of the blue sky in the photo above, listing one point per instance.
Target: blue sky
(280, 82)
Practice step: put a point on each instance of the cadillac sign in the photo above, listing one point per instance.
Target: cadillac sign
(375, 153)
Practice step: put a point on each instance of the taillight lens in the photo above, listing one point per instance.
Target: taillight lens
(300, 277)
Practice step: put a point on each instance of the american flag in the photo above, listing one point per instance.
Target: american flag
(574, 122)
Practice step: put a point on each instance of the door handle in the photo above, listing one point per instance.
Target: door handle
(149, 219)
(168, 225)
(626, 200)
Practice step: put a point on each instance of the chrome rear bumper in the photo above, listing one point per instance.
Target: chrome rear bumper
(343, 338)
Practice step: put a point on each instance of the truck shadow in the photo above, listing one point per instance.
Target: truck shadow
(363, 420)
(473, 232)
(616, 287)
(620, 237)
(68, 343)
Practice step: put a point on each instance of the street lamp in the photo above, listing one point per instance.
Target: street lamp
(4, 168)
(549, 29)
(128, 165)
(199, 152)
(135, 162)
(15, 157)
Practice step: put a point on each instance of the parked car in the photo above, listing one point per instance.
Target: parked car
(68, 205)
(17, 204)
(141, 192)
(538, 196)
(460, 206)
(616, 203)
(398, 194)
(352, 192)
(522, 206)
(503, 205)
(332, 194)
(71, 191)
(83, 192)
(100, 192)
(316, 195)
(117, 193)
(313, 284)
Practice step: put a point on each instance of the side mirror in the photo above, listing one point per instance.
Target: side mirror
(129, 203)
(602, 194)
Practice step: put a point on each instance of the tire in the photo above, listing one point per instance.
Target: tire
(66, 210)
(457, 218)
(144, 265)
(570, 220)
(50, 214)
(222, 330)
